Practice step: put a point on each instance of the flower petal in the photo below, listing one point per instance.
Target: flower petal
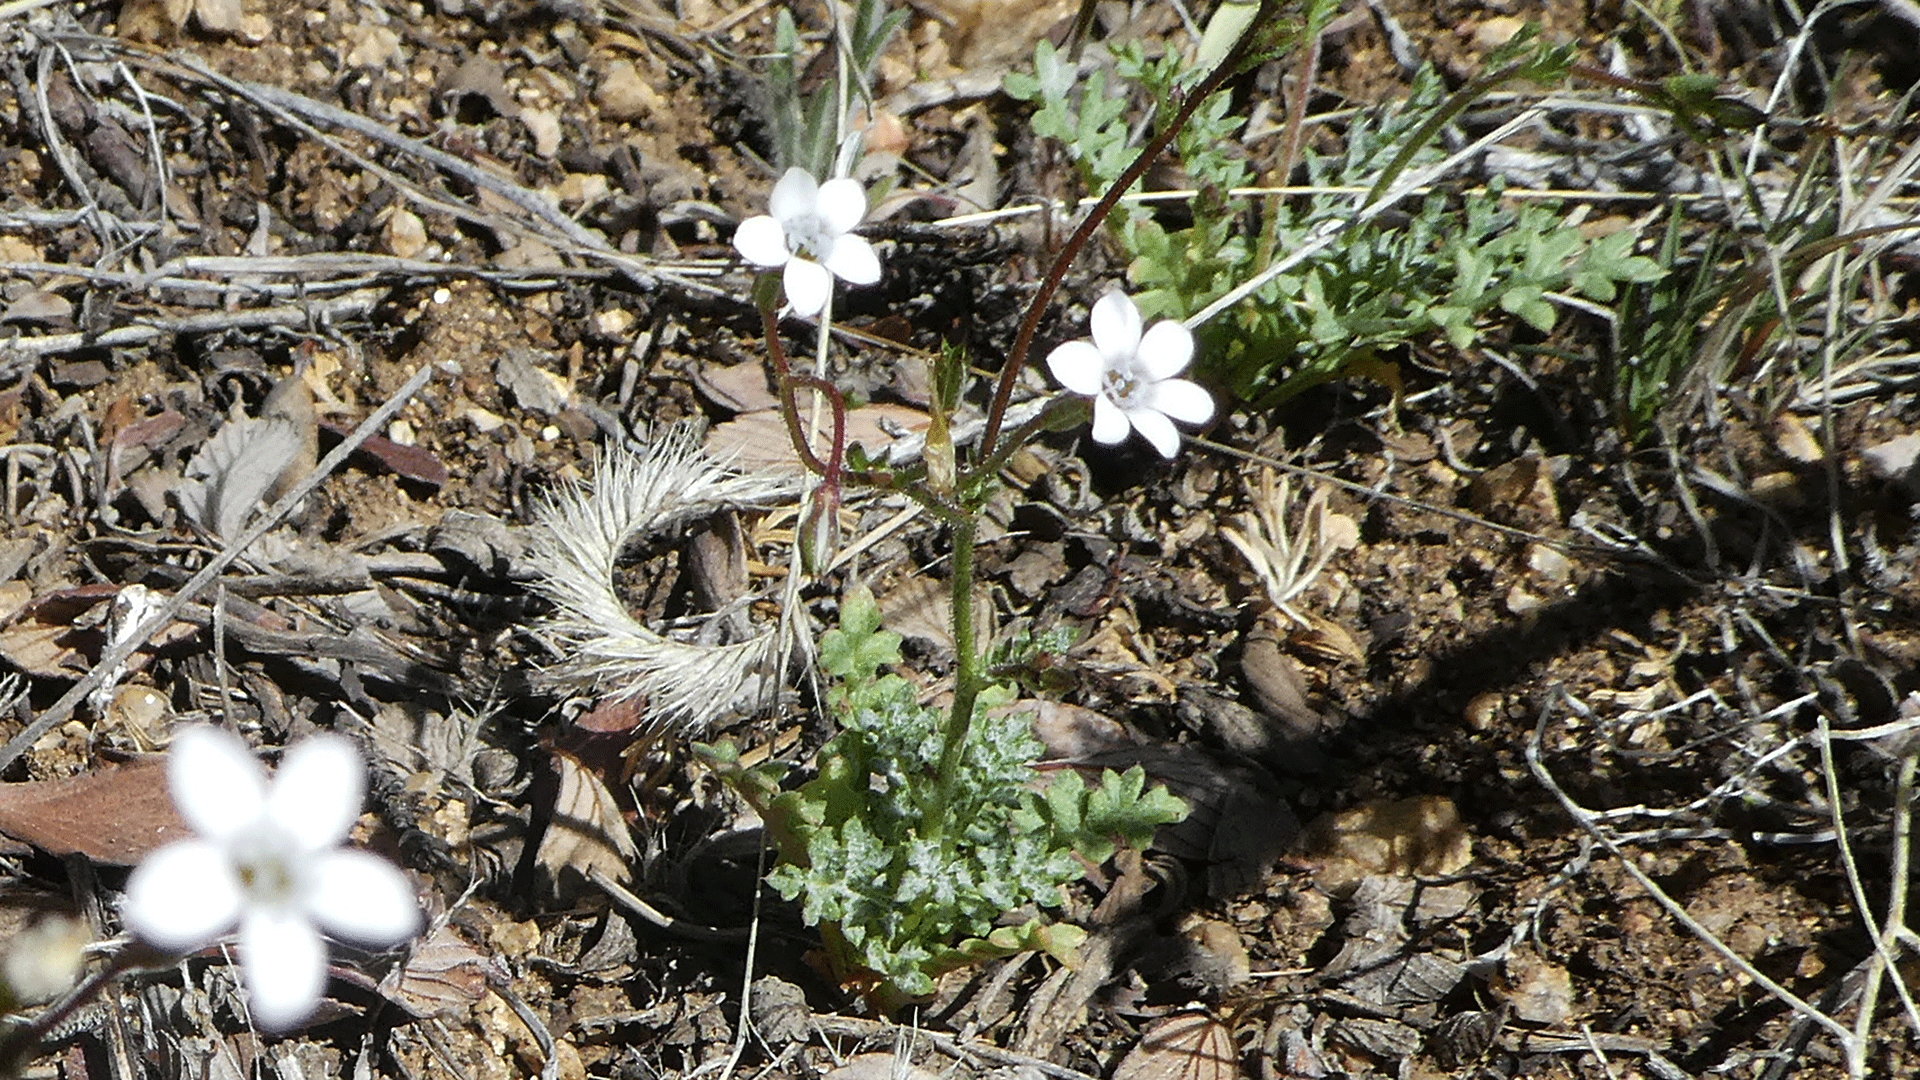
(317, 793)
(1109, 423)
(217, 783)
(1165, 349)
(797, 195)
(1181, 399)
(841, 204)
(852, 259)
(1078, 366)
(1158, 429)
(762, 241)
(286, 967)
(360, 897)
(808, 284)
(184, 896)
(1116, 328)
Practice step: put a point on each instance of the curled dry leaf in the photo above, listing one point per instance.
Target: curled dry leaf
(881, 1067)
(58, 634)
(236, 468)
(443, 976)
(758, 441)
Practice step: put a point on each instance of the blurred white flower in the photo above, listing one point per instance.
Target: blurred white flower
(1130, 375)
(810, 232)
(268, 860)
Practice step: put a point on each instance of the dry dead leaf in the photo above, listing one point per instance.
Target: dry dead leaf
(218, 16)
(1073, 732)
(234, 470)
(114, 814)
(443, 976)
(588, 830)
(758, 441)
(880, 1067)
(39, 306)
(1420, 836)
(993, 33)
(1185, 1046)
(58, 635)
(415, 464)
(740, 388)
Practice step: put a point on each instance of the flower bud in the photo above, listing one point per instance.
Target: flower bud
(43, 960)
(819, 531)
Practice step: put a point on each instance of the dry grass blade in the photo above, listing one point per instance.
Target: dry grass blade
(603, 650)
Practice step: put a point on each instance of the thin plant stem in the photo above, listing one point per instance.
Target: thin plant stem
(1023, 341)
(1053, 415)
(18, 1042)
(966, 681)
(783, 379)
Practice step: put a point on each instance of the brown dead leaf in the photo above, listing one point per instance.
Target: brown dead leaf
(58, 635)
(442, 977)
(759, 441)
(218, 16)
(413, 463)
(1072, 732)
(588, 830)
(740, 388)
(39, 306)
(114, 814)
(1184, 1046)
(880, 1067)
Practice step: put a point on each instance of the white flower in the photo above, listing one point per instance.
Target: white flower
(1130, 376)
(268, 860)
(810, 232)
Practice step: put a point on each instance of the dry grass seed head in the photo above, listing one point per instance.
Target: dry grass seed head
(603, 650)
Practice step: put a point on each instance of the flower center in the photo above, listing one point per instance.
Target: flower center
(266, 860)
(807, 235)
(1124, 388)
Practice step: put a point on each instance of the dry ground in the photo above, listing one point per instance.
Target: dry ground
(214, 212)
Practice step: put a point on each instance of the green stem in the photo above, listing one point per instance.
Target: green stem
(966, 683)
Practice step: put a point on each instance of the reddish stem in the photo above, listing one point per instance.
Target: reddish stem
(1023, 341)
(789, 408)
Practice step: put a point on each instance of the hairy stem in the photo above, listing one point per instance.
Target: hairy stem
(966, 682)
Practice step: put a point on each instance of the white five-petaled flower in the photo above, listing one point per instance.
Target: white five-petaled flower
(1130, 375)
(810, 233)
(268, 860)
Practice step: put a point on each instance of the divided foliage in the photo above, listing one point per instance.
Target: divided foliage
(1444, 268)
(901, 899)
